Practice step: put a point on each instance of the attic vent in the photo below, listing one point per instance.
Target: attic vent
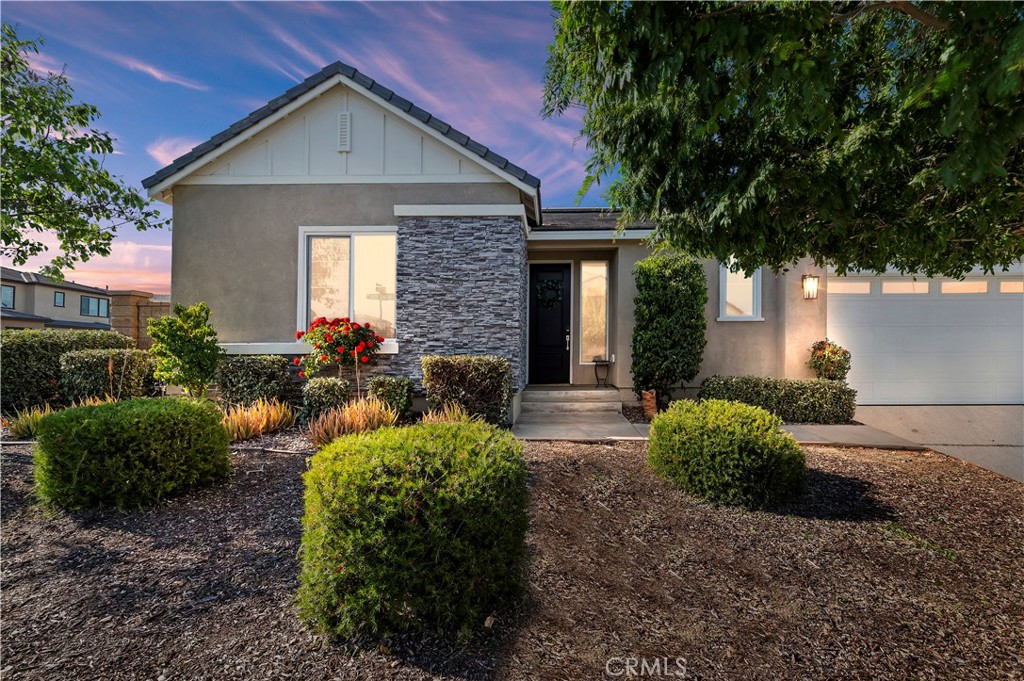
(345, 131)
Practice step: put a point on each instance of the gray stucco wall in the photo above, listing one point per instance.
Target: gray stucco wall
(236, 247)
(462, 287)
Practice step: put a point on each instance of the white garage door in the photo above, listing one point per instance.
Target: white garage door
(931, 341)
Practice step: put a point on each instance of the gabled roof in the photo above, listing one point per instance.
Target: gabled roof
(9, 274)
(372, 87)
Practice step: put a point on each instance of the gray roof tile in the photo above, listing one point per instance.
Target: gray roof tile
(374, 88)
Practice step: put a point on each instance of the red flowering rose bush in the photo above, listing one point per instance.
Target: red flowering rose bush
(341, 343)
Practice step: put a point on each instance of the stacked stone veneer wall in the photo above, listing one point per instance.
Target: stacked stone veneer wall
(461, 289)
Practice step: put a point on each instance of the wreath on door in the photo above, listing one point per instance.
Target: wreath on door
(549, 293)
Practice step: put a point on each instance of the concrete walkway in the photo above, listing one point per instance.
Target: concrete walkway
(990, 436)
(579, 426)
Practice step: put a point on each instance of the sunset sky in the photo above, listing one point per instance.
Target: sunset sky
(167, 76)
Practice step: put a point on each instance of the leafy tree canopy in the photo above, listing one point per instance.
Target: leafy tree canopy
(52, 179)
(861, 134)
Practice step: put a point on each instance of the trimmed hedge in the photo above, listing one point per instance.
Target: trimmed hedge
(247, 379)
(793, 401)
(669, 335)
(130, 454)
(482, 384)
(323, 394)
(727, 452)
(122, 374)
(30, 370)
(413, 528)
(394, 391)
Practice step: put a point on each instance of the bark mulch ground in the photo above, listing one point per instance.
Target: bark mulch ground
(897, 565)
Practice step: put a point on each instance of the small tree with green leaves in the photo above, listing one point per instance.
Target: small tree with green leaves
(669, 331)
(186, 349)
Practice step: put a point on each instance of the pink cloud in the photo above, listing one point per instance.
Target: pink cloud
(133, 64)
(131, 264)
(43, 64)
(166, 149)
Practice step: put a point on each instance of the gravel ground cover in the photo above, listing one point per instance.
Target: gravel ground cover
(897, 565)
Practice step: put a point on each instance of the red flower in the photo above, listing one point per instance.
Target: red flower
(365, 358)
(302, 374)
(360, 347)
(323, 358)
(318, 321)
(296, 361)
(355, 325)
(329, 338)
(345, 320)
(380, 339)
(354, 353)
(369, 344)
(367, 324)
(299, 335)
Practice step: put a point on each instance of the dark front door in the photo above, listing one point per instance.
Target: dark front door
(550, 295)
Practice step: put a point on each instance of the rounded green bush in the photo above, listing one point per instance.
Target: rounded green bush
(394, 391)
(413, 528)
(322, 394)
(727, 452)
(130, 454)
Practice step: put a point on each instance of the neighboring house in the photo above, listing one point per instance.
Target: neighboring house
(340, 198)
(32, 301)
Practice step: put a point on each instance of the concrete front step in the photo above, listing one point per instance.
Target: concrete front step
(550, 396)
(571, 407)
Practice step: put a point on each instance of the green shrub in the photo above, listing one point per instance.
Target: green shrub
(323, 394)
(394, 391)
(130, 454)
(727, 452)
(121, 374)
(247, 379)
(792, 401)
(669, 332)
(186, 349)
(829, 360)
(30, 370)
(413, 528)
(482, 384)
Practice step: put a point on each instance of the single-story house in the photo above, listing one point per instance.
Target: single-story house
(341, 198)
(32, 301)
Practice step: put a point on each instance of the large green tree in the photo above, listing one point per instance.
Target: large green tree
(52, 179)
(862, 134)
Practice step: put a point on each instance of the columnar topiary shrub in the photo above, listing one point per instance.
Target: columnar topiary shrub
(121, 374)
(247, 379)
(793, 401)
(323, 394)
(482, 384)
(669, 331)
(395, 391)
(30, 366)
(727, 452)
(829, 360)
(129, 454)
(413, 528)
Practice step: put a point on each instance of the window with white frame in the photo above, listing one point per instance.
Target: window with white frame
(593, 311)
(739, 295)
(349, 273)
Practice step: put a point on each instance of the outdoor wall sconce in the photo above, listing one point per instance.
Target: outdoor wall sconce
(810, 284)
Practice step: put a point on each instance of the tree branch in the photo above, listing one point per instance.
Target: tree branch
(908, 8)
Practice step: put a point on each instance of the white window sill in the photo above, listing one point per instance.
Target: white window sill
(388, 347)
(740, 319)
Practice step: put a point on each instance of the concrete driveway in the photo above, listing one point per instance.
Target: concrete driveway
(986, 435)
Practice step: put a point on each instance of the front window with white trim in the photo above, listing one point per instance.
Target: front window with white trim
(350, 273)
(739, 296)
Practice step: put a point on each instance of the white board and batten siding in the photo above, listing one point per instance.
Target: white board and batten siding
(340, 136)
(931, 341)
